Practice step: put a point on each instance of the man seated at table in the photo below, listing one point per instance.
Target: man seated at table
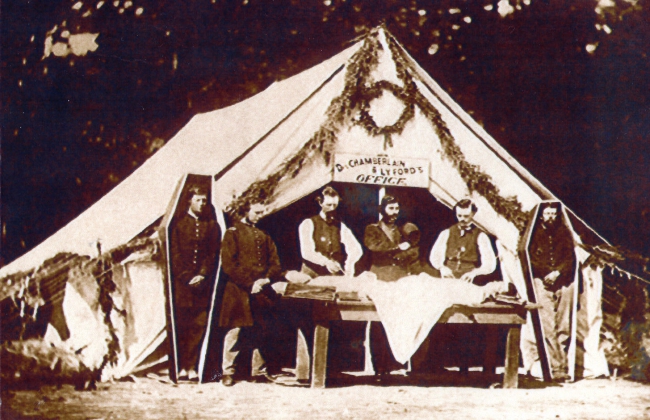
(463, 251)
(391, 256)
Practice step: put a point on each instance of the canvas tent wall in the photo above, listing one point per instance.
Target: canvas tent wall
(277, 144)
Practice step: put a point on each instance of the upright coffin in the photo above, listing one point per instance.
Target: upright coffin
(176, 208)
(524, 256)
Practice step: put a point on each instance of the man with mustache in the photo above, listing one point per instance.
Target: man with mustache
(552, 259)
(463, 251)
(390, 250)
(391, 256)
(327, 245)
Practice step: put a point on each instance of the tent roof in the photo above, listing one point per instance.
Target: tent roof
(208, 143)
(250, 139)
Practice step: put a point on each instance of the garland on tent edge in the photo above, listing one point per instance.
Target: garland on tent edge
(340, 111)
(476, 180)
(102, 270)
(614, 257)
(357, 94)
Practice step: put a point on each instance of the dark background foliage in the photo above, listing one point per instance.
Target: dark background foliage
(564, 94)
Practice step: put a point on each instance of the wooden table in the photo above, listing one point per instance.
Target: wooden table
(492, 315)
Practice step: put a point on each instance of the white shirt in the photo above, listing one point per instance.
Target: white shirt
(308, 246)
(488, 259)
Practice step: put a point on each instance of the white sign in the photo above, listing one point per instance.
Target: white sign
(381, 170)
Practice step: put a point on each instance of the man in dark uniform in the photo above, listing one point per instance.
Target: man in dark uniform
(250, 259)
(552, 259)
(195, 242)
(463, 251)
(391, 256)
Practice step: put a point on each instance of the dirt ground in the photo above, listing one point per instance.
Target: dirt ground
(451, 396)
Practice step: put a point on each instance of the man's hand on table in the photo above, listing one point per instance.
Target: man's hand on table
(259, 284)
(446, 273)
(468, 277)
(280, 287)
(333, 267)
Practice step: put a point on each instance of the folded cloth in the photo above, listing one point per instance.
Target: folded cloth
(410, 307)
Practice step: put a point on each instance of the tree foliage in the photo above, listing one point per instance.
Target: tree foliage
(92, 88)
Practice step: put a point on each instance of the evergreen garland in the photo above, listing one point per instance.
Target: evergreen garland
(340, 112)
(476, 180)
(357, 95)
(103, 274)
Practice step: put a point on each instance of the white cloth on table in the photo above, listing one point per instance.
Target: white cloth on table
(409, 307)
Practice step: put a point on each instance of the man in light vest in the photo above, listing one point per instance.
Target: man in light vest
(463, 251)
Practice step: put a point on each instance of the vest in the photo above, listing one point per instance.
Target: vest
(327, 237)
(462, 254)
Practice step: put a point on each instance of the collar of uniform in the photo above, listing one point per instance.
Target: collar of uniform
(247, 222)
(192, 214)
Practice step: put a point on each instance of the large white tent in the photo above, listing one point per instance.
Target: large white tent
(280, 142)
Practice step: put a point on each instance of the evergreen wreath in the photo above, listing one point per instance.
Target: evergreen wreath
(368, 94)
(359, 91)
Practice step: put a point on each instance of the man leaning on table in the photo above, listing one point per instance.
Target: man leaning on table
(327, 245)
(463, 251)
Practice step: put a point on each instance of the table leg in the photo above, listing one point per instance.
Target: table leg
(319, 362)
(491, 338)
(511, 377)
(302, 358)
